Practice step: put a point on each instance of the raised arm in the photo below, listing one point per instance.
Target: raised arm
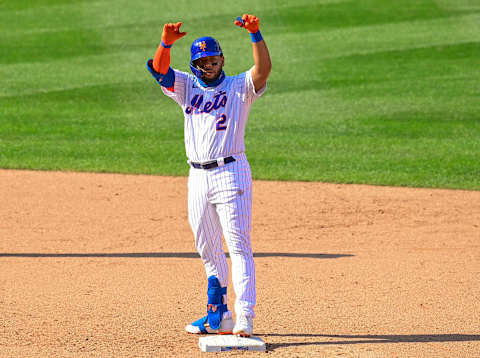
(159, 67)
(170, 34)
(261, 56)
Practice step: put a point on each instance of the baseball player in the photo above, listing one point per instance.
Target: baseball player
(216, 108)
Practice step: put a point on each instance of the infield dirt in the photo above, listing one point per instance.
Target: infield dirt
(104, 265)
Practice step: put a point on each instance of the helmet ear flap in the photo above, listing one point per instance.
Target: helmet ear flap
(195, 70)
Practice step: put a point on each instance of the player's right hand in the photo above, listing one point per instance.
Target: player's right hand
(171, 33)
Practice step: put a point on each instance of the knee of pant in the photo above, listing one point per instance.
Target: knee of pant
(238, 235)
(214, 257)
(240, 246)
(245, 252)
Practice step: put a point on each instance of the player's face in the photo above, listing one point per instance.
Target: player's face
(211, 67)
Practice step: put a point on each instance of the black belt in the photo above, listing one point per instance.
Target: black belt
(212, 164)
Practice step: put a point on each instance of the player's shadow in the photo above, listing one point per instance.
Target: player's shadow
(185, 255)
(338, 339)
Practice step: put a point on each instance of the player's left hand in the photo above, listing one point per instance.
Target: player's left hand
(250, 22)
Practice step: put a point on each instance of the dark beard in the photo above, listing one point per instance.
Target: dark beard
(213, 79)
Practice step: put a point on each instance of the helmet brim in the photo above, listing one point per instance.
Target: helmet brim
(205, 54)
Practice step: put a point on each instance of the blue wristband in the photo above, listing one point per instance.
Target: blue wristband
(164, 45)
(256, 37)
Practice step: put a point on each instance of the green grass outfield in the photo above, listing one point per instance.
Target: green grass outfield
(382, 92)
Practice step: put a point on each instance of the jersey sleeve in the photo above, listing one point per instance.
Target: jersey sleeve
(251, 94)
(179, 88)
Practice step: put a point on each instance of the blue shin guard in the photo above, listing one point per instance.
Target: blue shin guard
(215, 306)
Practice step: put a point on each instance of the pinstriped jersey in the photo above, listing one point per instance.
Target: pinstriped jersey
(215, 117)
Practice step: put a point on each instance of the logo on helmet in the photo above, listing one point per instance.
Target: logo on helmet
(202, 45)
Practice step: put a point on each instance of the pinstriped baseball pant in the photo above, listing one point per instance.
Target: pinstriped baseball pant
(220, 201)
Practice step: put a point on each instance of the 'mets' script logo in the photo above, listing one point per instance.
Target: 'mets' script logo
(196, 104)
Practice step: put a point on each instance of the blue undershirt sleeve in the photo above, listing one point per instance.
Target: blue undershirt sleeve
(166, 80)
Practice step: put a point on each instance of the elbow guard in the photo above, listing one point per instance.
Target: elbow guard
(165, 80)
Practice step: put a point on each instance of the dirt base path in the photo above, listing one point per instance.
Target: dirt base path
(102, 265)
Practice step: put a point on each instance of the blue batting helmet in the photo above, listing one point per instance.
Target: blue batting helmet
(203, 47)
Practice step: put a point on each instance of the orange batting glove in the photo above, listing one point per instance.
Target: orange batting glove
(171, 33)
(250, 22)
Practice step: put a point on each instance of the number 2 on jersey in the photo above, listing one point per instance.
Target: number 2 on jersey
(221, 119)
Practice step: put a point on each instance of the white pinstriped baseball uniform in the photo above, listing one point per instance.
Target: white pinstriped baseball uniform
(220, 199)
